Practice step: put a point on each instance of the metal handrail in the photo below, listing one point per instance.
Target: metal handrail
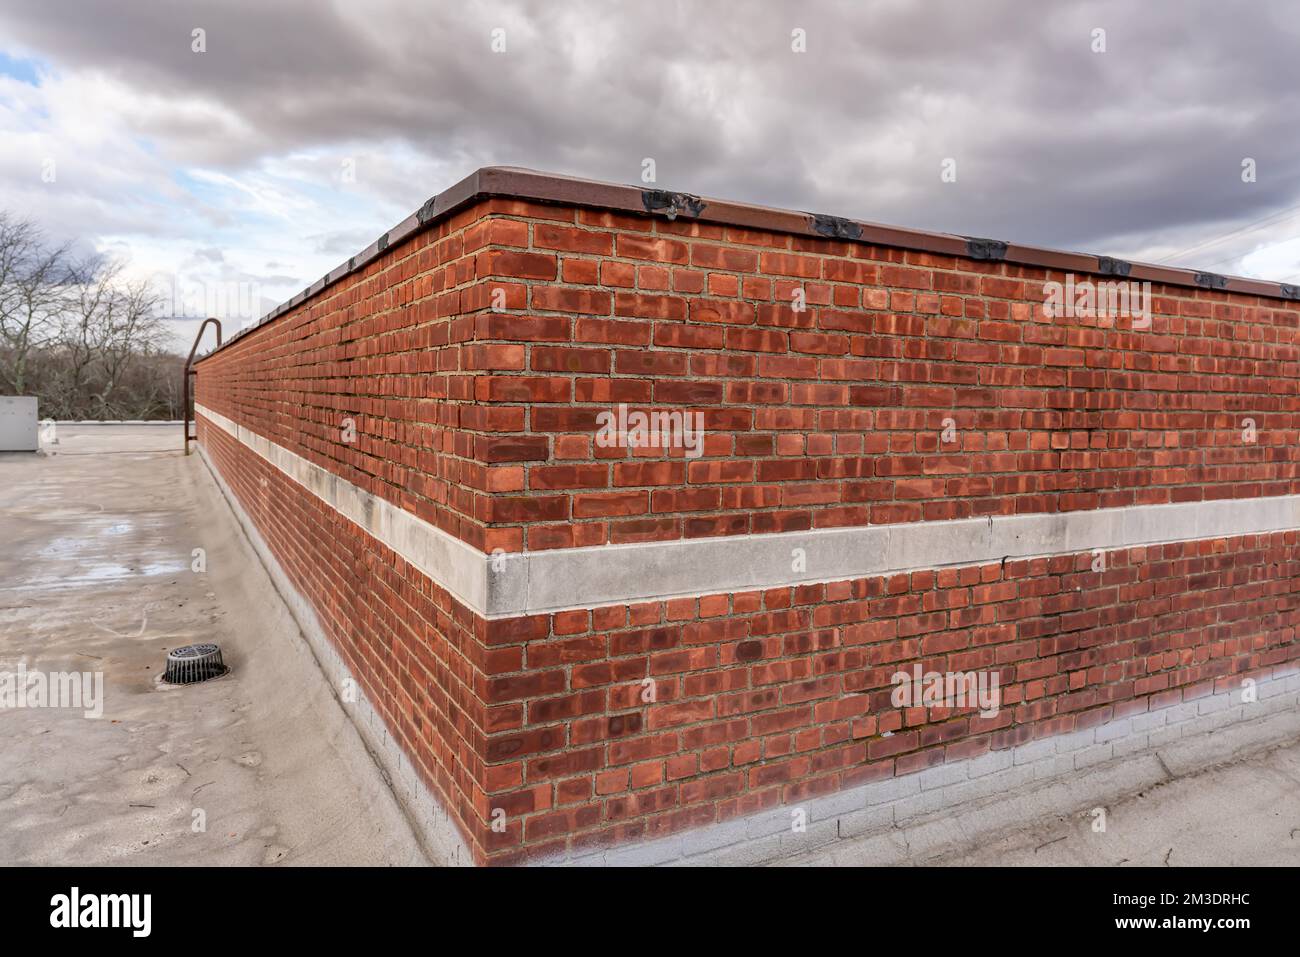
(189, 371)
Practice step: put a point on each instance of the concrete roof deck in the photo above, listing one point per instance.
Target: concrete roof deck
(98, 577)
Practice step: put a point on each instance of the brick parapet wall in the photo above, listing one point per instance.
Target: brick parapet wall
(483, 422)
(473, 358)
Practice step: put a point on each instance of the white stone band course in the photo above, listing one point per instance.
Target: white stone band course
(528, 583)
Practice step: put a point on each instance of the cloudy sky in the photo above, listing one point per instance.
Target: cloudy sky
(303, 129)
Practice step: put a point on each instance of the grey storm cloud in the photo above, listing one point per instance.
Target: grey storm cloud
(1135, 149)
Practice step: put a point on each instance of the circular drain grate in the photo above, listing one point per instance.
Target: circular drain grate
(193, 663)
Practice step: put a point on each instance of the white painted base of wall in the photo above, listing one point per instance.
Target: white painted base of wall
(997, 791)
(442, 840)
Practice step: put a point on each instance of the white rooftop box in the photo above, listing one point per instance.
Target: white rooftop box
(18, 432)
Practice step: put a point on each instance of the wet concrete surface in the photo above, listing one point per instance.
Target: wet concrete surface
(99, 574)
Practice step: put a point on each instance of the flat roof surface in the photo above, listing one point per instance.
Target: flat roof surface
(99, 579)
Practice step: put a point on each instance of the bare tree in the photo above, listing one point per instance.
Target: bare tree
(114, 323)
(87, 341)
(32, 288)
(81, 332)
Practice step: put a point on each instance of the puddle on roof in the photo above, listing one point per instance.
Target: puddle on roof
(72, 561)
(100, 573)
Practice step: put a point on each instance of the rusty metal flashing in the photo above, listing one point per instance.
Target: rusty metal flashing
(672, 205)
(1113, 267)
(835, 227)
(986, 250)
(548, 188)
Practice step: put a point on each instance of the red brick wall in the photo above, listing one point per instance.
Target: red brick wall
(765, 698)
(391, 347)
(474, 359)
(483, 422)
(832, 416)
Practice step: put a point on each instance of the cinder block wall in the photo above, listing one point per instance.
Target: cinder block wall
(581, 646)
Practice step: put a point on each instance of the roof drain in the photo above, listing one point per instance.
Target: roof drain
(194, 663)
